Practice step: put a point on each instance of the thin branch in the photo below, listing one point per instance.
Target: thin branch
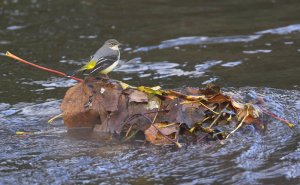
(277, 117)
(10, 55)
(54, 118)
(217, 118)
(241, 123)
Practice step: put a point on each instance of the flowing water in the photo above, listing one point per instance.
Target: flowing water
(250, 48)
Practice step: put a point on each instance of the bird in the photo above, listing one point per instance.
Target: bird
(104, 60)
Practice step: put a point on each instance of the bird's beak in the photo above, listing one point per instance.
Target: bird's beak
(119, 45)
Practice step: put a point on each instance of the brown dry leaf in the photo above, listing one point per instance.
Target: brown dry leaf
(74, 114)
(254, 111)
(191, 114)
(138, 96)
(168, 130)
(192, 91)
(111, 122)
(219, 98)
(112, 109)
(210, 90)
(253, 114)
(108, 97)
(250, 120)
(237, 105)
(248, 110)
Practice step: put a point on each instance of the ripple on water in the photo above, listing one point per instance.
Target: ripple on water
(53, 83)
(258, 51)
(164, 69)
(54, 157)
(282, 30)
(201, 40)
(194, 40)
(15, 27)
(231, 64)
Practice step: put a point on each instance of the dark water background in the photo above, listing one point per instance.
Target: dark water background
(248, 47)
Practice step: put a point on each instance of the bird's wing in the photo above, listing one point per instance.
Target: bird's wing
(103, 63)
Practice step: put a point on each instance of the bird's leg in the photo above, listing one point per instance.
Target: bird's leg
(103, 77)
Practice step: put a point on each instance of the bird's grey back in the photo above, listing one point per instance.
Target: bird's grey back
(104, 51)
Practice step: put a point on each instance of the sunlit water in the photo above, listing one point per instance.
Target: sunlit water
(250, 48)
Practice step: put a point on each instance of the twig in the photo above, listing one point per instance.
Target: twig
(241, 123)
(216, 119)
(277, 117)
(152, 123)
(55, 117)
(169, 139)
(135, 115)
(126, 138)
(187, 97)
(208, 107)
(10, 55)
(128, 131)
(158, 130)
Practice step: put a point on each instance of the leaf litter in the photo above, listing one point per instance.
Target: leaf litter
(164, 117)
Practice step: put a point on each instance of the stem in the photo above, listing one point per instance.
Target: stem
(216, 119)
(208, 107)
(240, 124)
(10, 55)
(277, 117)
(54, 118)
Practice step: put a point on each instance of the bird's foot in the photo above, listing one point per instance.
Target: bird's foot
(103, 78)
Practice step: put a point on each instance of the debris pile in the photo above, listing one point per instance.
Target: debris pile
(163, 116)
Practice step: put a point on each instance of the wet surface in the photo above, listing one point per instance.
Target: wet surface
(53, 156)
(250, 48)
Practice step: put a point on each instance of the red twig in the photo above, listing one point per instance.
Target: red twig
(277, 117)
(10, 55)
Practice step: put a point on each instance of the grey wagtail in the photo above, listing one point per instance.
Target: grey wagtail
(104, 60)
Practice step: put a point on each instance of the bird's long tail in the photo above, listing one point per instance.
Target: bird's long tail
(90, 65)
(75, 72)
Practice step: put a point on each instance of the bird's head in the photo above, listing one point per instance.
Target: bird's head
(113, 44)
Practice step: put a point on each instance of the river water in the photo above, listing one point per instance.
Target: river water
(250, 48)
